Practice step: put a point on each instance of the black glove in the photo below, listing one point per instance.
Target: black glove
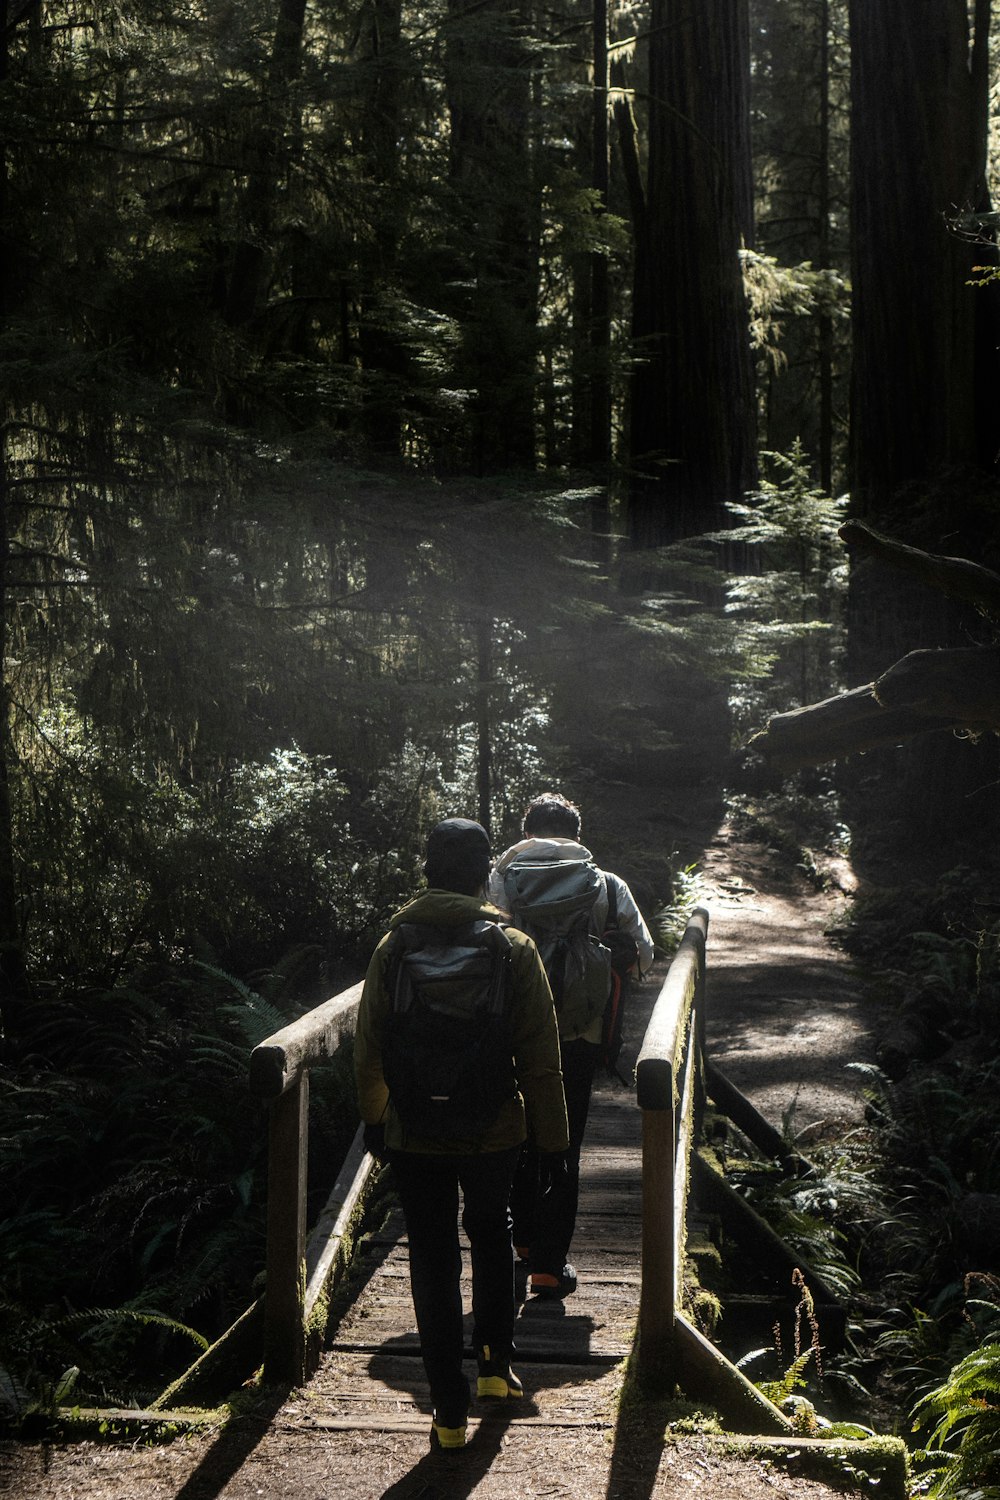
(554, 1166)
(374, 1138)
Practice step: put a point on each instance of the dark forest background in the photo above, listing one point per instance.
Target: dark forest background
(406, 407)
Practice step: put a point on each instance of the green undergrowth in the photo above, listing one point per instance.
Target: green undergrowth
(135, 1163)
(856, 1457)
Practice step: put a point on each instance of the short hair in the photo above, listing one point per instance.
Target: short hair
(551, 816)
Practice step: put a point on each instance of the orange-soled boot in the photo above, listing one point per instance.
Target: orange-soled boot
(543, 1284)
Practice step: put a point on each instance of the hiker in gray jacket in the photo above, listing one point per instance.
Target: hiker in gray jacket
(545, 1194)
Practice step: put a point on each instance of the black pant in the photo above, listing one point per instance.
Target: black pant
(428, 1186)
(544, 1212)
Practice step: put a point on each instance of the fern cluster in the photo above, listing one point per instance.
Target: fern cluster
(962, 1457)
(132, 1164)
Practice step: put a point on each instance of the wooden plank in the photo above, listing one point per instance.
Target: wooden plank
(415, 1423)
(360, 1389)
(657, 1297)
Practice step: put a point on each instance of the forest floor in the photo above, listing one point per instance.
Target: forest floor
(786, 1015)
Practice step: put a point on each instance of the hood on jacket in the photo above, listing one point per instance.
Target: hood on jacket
(542, 849)
(444, 909)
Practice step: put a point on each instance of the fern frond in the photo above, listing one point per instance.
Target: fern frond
(13, 1395)
(103, 1317)
(779, 1390)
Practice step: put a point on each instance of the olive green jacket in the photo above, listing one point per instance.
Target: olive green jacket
(539, 1105)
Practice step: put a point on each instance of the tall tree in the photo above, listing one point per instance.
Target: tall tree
(692, 400)
(919, 97)
(925, 398)
(800, 140)
(274, 122)
(495, 195)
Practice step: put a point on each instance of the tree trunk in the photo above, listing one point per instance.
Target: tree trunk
(484, 726)
(14, 989)
(247, 279)
(600, 299)
(382, 354)
(917, 128)
(824, 328)
(692, 400)
(488, 69)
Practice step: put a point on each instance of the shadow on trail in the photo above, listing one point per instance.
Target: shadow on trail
(635, 1458)
(232, 1448)
(558, 1354)
(455, 1475)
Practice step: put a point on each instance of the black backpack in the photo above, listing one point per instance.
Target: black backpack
(624, 952)
(447, 1049)
(552, 900)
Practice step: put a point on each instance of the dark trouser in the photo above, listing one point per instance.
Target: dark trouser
(544, 1212)
(428, 1186)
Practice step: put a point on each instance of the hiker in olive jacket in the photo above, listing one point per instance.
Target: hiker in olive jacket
(428, 1173)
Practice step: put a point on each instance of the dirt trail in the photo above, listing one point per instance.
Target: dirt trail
(785, 1017)
(785, 1012)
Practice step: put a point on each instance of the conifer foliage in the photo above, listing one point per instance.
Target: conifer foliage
(345, 353)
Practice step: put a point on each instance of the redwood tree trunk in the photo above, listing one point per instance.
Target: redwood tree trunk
(918, 122)
(692, 399)
(382, 351)
(489, 77)
(600, 300)
(247, 283)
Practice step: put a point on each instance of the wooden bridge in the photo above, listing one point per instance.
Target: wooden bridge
(344, 1391)
(629, 1245)
(569, 1354)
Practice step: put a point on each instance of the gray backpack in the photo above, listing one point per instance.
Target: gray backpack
(552, 901)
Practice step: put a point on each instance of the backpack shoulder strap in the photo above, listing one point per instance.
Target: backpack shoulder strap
(413, 937)
(612, 891)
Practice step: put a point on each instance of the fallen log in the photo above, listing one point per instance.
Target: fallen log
(925, 691)
(962, 683)
(840, 726)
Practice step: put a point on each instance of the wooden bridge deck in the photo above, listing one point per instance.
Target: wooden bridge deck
(569, 1353)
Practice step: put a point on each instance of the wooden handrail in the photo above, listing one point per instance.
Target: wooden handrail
(668, 1088)
(275, 1063)
(670, 1085)
(279, 1073)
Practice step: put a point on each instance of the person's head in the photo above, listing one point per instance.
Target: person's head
(458, 856)
(550, 816)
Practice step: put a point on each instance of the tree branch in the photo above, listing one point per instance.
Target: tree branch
(954, 576)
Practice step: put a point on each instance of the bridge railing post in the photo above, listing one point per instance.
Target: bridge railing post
(287, 1169)
(279, 1073)
(668, 1084)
